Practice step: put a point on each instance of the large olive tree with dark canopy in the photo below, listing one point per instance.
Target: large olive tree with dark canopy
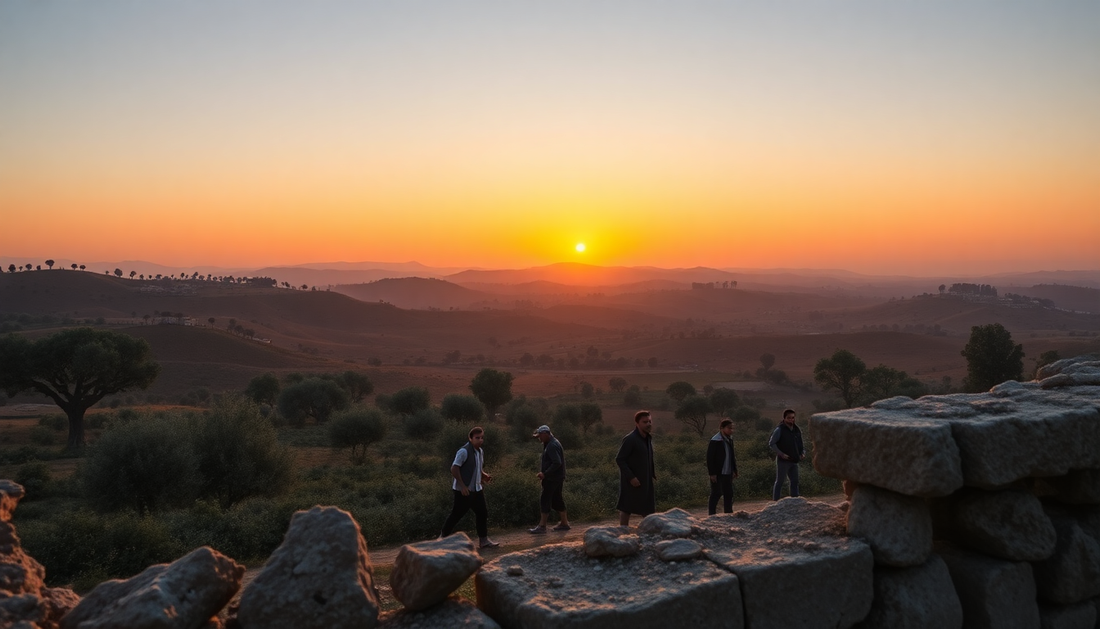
(76, 368)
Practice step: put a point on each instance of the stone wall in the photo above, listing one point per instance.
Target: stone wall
(963, 511)
(987, 506)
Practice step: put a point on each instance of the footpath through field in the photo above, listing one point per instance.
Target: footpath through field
(512, 540)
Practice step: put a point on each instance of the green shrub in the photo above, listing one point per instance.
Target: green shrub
(56, 421)
(422, 426)
(463, 409)
(35, 478)
(239, 454)
(43, 436)
(410, 400)
(85, 548)
(357, 429)
(142, 465)
(312, 397)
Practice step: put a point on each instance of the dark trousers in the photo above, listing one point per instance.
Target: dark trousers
(475, 501)
(784, 470)
(724, 488)
(551, 497)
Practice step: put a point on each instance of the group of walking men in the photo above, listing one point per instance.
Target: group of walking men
(637, 473)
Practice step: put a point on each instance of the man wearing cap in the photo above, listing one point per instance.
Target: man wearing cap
(553, 480)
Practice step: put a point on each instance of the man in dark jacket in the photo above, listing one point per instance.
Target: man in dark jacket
(722, 467)
(786, 445)
(552, 478)
(636, 471)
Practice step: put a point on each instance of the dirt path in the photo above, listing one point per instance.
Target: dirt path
(519, 539)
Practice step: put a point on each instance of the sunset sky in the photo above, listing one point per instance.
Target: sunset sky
(879, 136)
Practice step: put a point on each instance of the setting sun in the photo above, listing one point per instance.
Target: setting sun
(580, 247)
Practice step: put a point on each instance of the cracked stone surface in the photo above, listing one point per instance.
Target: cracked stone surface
(795, 551)
(560, 586)
(936, 444)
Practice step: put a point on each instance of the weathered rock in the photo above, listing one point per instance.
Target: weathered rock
(1079, 487)
(1078, 371)
(995, 594)
(1013, 432)
(561, 586)
(319, 577)
(672, 523)
(610, 541)
(24, 598)
(898, 528)
(1025, 432)
(916, 598)
(453, 613)
(1072, 573)
(1079, 616)
(678, 549)
(184, 594)
(1063, 364)
(796, 552)
(425, 574)
(1008, 524)
(10, 495)
(893, 449)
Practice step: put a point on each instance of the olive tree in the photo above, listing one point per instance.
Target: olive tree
(992, 357)
(841, 372)
(493, 388)
(76, 368)
(357, 429)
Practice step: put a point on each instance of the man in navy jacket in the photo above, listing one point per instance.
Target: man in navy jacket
(722, 467)
(786, 445)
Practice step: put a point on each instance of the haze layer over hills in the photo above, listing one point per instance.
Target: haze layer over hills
(434, 331)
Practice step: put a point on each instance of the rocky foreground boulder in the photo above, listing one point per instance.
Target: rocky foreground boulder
(185, 594)
(425, 574)
(320, 577)
(25, 601)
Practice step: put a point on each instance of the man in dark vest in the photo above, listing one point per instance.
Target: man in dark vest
(552, 477)
(469, 474)
(786, 445)
(721, 467)
(636, 471)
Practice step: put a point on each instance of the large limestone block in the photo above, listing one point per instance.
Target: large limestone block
(318, 578)
(897, 527)
(995, 594)
(425, 574)
(1008, 524)
(1015, 431)
(1078, 487)
(184, 594)
(1078, 371)
(1079, 616)
(915, 598)
(892, 449)
(560, 586)
(796, 565)
(1072, 573)
(453, 613)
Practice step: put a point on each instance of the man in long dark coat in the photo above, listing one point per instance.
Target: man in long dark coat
(636, 471)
